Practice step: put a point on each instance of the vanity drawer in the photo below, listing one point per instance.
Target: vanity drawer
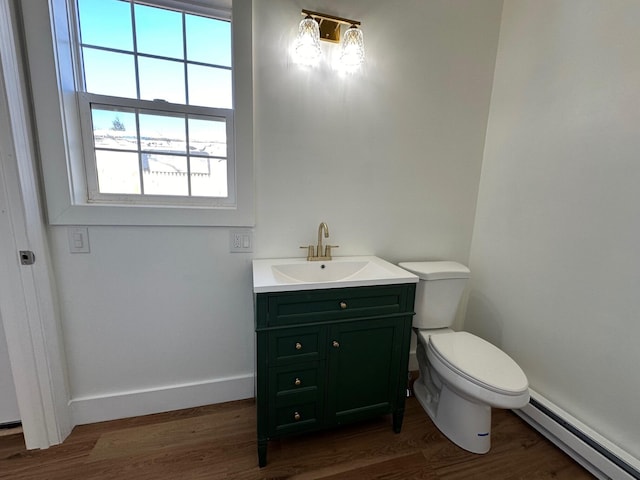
(295, 345)
(333, 304)
(296, 417)
(296, 378)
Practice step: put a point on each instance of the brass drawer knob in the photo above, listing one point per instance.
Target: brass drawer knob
(297, 416)
(335, 344)
(298, 346)
(343, 305)
(297, 382)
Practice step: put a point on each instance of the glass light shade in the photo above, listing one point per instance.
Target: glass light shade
(307, 48)
(352, 54)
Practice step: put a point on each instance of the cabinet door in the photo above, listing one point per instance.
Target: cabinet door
(364, 368)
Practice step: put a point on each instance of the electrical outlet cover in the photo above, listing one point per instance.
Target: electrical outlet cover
(241, 241)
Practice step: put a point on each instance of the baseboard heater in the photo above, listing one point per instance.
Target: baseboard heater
(596, 454)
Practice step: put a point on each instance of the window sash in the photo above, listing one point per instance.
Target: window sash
(186, 8)
(86, 100)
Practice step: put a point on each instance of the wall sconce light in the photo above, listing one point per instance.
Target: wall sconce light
(320, 26)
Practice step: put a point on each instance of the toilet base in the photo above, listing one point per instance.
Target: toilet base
(465, 423)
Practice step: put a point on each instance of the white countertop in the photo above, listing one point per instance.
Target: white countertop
(292, 274)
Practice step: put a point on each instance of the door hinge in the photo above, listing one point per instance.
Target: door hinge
(27, 257)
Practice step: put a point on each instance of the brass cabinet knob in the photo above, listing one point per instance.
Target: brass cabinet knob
(298, 346)
(343, 305)
(297, 382)
(335, 344)
(297, 416)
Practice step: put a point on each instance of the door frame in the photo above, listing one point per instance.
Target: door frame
(28, 301)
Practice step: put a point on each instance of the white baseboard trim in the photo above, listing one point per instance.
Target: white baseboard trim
(590, 449)
(134, 403)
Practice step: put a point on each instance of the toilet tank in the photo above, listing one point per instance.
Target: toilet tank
(438, 292)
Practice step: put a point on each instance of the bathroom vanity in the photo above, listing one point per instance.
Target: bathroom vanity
(330, 351)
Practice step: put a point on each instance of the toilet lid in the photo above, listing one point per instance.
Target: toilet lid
(479, 361)
(442, 270)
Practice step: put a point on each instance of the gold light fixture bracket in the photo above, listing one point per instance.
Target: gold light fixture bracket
(329, 25)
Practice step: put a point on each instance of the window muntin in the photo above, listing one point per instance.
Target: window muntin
(158, 97)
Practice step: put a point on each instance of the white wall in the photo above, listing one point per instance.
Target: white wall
(554, 257)
(154, 318)
(389, 158)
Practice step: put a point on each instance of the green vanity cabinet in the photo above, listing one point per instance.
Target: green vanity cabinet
(330, 357)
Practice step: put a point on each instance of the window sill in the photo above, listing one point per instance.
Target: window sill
(153, 215)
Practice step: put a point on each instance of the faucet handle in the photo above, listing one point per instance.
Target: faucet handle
(309, 249)
(327, 250)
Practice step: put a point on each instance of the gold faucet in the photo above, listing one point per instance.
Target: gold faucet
(321, 227)
(319, 253)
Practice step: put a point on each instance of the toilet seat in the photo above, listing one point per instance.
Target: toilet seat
(478, 361)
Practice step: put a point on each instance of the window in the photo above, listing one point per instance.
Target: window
(144, 110)
(158, 97)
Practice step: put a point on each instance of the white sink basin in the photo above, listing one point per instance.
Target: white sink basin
(317, 271)
(289, 274)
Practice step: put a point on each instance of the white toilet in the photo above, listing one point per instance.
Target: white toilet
(461, 376)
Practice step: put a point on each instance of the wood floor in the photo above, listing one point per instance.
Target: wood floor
(218, 442)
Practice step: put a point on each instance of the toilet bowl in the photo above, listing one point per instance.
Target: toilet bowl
(478, 369)
(461, 375)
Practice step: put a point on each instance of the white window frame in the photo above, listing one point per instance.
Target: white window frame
(51, 57)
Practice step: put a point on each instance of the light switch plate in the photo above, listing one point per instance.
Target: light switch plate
(241, 241)
(78, 239)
